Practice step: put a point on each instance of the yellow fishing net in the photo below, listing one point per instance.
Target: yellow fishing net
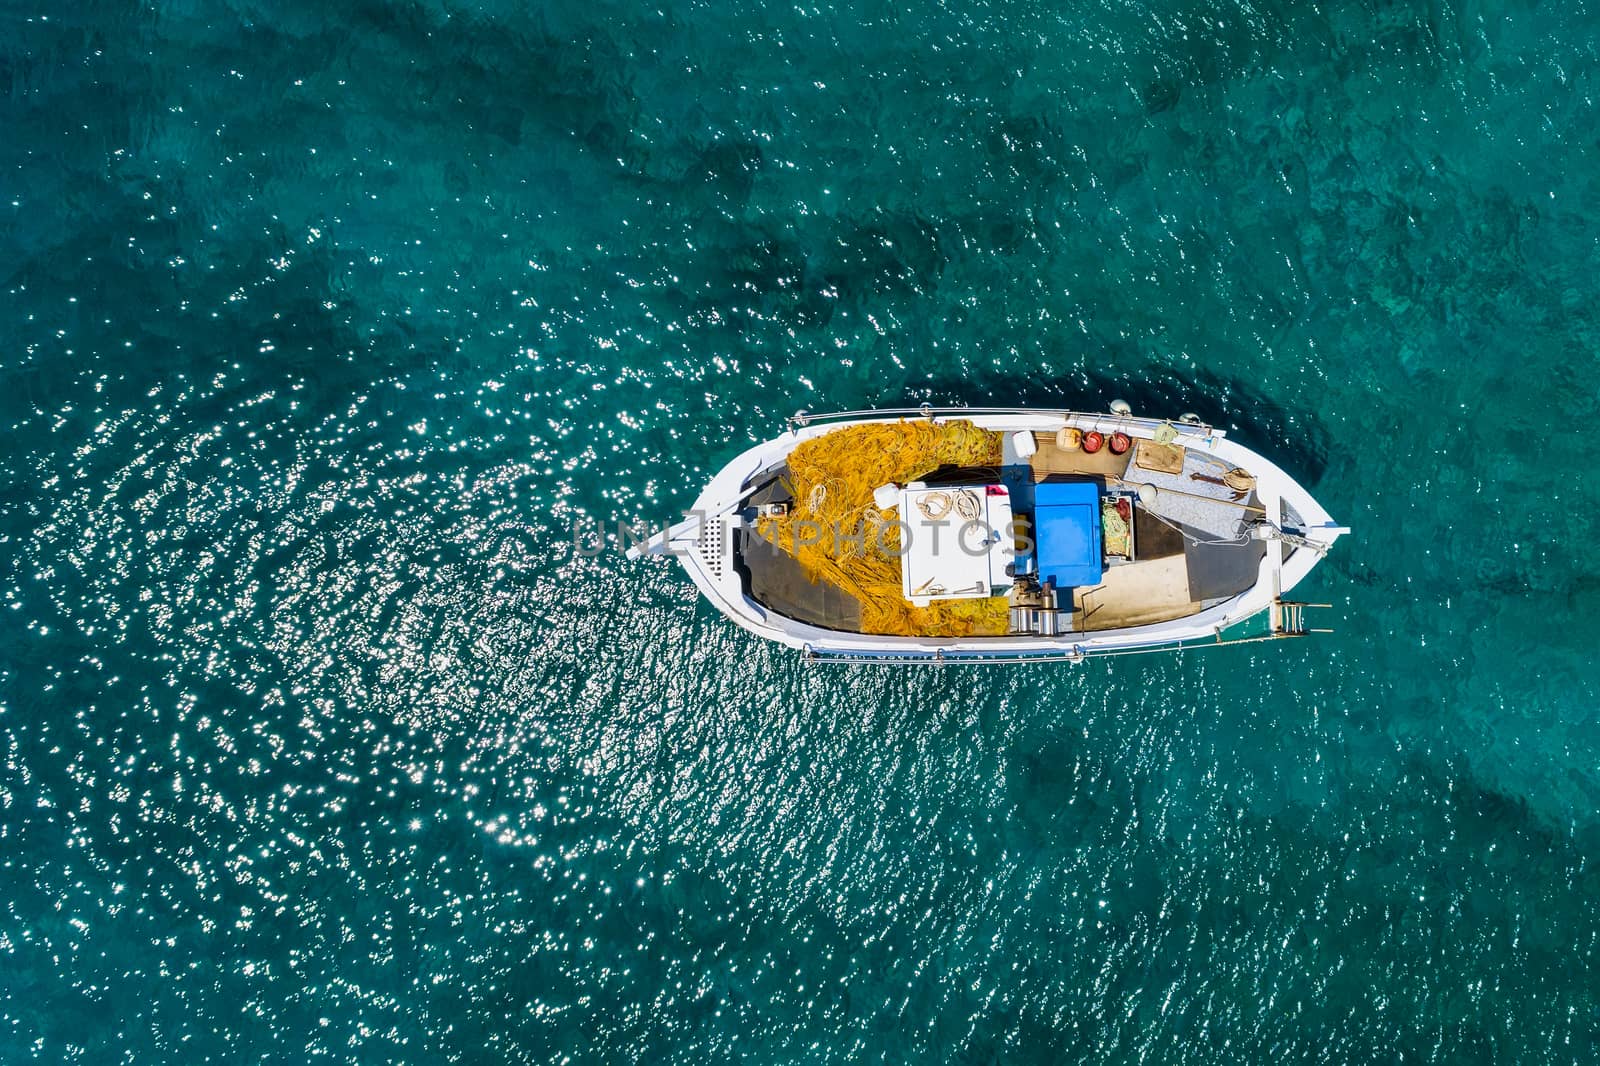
(832, 478)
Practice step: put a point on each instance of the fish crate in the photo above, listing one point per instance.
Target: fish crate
(1116, 527)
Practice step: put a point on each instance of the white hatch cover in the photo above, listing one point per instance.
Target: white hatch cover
(957, 541)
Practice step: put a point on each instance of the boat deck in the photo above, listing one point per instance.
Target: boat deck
(1179, 569)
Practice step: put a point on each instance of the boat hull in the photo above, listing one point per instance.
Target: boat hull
(703, 544)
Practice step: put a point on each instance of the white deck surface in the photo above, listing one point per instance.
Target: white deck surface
(951, 557)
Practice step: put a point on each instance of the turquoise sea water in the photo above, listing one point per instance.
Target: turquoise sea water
(322, 322)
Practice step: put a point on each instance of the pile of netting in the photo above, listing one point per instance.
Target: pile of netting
(841, 537)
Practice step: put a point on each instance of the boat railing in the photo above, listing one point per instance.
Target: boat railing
(801, 419)
(1076, 654)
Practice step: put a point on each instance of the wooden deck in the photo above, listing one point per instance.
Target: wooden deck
(1051, 462)
(1135, 594)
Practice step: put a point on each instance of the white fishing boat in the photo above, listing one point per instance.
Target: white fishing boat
(982, 534)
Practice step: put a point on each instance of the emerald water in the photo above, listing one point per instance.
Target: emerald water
(322, 324)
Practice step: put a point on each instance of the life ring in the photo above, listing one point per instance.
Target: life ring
(1120, 443)
(1093, 441)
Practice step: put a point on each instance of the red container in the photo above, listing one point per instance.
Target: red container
(1120, 443)
(1093, 441)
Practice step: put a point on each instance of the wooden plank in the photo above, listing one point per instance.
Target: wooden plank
(1049, 461)
(1166, 458)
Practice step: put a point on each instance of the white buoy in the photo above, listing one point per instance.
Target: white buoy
(1148, 495)
(1120, 407)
